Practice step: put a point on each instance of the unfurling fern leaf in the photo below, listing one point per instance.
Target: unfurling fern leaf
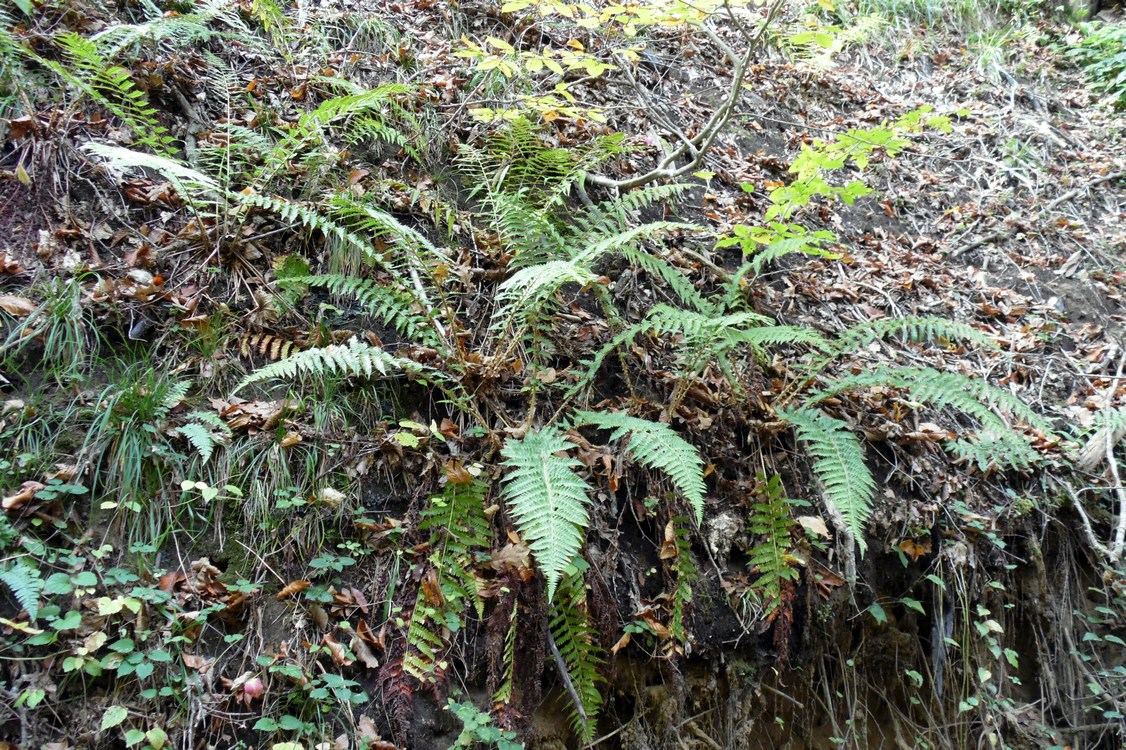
(547, 499)
(577, 644)
(355, 358)
(770, 559)
(26, 585)
(656, 446)
(838, 460)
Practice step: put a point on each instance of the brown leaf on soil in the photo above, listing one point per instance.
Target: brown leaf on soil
(457, 474)
(363, 652)
(668, 546)
(336, 649)
(914, 549)
(25, 494)
(622, 643)
(293, 588)
(9, 265)
(515, 558)
(17, 306)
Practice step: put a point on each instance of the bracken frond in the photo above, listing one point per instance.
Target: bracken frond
(547, 499)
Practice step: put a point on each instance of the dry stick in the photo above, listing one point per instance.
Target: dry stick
(703, 140)
(566, 676)
(1040, 215)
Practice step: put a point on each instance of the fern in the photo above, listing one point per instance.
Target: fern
(970, 395)
(686, 574)
(838, 460)
(547, 500)
(111, 86)
(911, 329)
(577, 643)
(200, 433)
(354, 359)
(458, 532)
(771, 559)
(395, 307)
(655, 445)
(192, 185)
(25, 584)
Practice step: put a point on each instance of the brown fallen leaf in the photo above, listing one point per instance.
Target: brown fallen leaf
(293, 588)
(17, 306)
(22, 497)
(363, 652)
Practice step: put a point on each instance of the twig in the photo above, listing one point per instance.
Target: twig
(1075, 193)
(566, 677)
(1040, 215)
(698, 146)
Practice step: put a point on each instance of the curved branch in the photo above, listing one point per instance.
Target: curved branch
(698, 145)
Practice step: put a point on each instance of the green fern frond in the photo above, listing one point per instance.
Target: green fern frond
(770, 559)
(111, 86)
(911, 329)
(173, 395)
(807, 244)
(26, 585)
(458, 532)
(523, 294)
(838, 460)
(617, 215)
(972, 396)
(656, 446)
(354, 359)
(686, 574)
(577, 642)
(398, 308)
(676, 281)
(547, 499)
(619, 240)
(200, 438)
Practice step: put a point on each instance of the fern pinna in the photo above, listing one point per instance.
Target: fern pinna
(458, 533)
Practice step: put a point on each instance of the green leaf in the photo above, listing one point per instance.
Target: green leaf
(877, 613)
(113, 716)
(838, 460)
(914, 604)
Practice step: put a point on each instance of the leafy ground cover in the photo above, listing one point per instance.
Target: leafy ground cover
(552, 375)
